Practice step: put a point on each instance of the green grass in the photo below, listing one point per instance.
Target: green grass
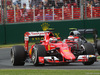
(98, 57)
(10, 45)
(49, 72)
(90, 40)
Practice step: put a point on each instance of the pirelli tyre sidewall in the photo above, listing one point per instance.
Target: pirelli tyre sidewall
(98, 46)
(89, 50)
(18, 55)
(38, 51)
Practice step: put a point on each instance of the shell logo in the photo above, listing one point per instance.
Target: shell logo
(45, 26)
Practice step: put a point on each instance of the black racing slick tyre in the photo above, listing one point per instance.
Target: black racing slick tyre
(38, 51)
(98, 46)
(18, 55)
(89, 50)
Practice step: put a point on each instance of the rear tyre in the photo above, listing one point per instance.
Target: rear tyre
(89, 50)
(98, 46)
(38, 51)
(18, 55)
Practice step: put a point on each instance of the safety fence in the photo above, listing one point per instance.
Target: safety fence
(93, 12)
(34, 15)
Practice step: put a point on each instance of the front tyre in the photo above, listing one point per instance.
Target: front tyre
(38, 51)
(18, 55)
(89, 50)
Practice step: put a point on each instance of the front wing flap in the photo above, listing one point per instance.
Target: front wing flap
(54, 59)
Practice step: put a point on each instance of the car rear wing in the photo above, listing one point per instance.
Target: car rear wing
(28, 35)
(89, 31)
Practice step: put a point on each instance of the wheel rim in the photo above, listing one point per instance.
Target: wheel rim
(34, 55)
(12, 56)
(82, 47)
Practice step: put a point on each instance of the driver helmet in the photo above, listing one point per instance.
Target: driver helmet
(70, 37)
(53, 40)
(74, 33)
(73, 38)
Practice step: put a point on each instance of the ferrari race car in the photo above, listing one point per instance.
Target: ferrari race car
(52, 50)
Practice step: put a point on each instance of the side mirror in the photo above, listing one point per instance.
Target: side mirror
(58, 38)
(41, 41)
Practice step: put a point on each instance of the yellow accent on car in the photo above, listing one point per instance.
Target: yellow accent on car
(66, 50)
(30, 51)
(48, 47)
(90, 55)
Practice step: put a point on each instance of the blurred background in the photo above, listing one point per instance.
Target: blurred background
(16, 11)
(20, 16)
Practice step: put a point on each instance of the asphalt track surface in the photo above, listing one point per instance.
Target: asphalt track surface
(5, 63)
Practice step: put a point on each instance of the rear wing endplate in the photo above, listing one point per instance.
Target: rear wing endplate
(28, 35)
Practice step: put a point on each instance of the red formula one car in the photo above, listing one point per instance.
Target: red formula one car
(52, 50)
